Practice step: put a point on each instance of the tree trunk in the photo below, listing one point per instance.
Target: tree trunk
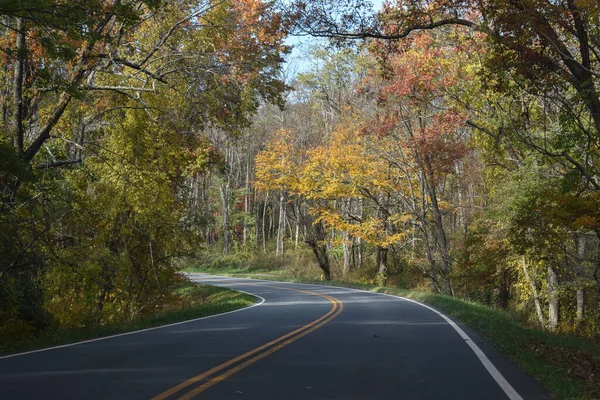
(534, 291)
(225, 189)
(297, 225)
(359, 253)
(580, 242)
(18, 85)
(504, 288)
(553, 302)
(246, 203)
(359, 243)
(432, 273)
(319, 249)
(346, 209)
(264, 223)
(382, 253)
(271, 230)
(347, 246)
(440, 236)
(279, 250)
(257, 210)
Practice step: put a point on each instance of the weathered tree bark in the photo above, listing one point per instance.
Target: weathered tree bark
(359, 253)
(553, 301)
(319, 248)
(534, 291)
(382, 260)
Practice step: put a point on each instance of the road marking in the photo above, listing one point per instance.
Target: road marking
(510, 392)
(262, 300)
(487, 363)
(251, 361)
(269, 348)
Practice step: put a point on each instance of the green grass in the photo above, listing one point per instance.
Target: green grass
(568, 366)
(191, 301)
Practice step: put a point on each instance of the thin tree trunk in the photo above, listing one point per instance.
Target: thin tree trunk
(297, 233)
(504, 288)
(359, 253)
(271, 230)
(432, 273)
(534, 291)
(359, 242)
(346, 240)
(553, 302)
(18, 85)
(440, 236)
(225, 188)
(264, 223)
(279, 250)
(246, 203)
(580, 241)
(257, 209)
(347, 246)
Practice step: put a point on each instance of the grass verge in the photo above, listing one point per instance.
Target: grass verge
(192, 301)
(567, 366)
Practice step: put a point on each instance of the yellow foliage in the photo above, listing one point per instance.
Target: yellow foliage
(347, 166)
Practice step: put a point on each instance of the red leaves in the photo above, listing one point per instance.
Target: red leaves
(382, 126)
(415, 101)
(439, 144)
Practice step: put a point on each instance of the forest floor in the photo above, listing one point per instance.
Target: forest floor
(566, 365)
(188, 301)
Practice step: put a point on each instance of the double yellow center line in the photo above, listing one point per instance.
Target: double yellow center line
(223, 371)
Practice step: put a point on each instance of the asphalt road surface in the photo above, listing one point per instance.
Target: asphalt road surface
(298, 342)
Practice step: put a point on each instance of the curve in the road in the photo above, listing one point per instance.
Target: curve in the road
(498, 377)
(379, 348)
(487, 363)
(256, 354)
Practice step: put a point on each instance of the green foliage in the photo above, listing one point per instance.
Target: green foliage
(11, 163)
(187, 301)
(118, 100)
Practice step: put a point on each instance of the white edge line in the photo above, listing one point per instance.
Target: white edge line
(487, 363)
(262, 300)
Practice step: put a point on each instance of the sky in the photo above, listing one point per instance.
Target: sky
(298, 60)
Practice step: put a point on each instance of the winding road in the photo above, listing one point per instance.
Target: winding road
(297, 342)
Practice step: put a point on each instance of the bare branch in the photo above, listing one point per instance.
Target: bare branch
(60, 163)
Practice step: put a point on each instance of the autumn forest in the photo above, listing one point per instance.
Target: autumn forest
(449, 146)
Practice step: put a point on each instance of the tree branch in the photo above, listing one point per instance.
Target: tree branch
(60, 163)
(402, 34)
